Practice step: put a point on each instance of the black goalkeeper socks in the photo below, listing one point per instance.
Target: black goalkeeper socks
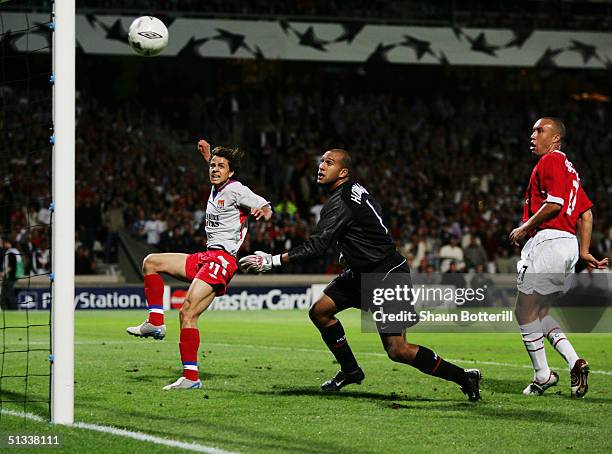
(430, 363)
(335, 339)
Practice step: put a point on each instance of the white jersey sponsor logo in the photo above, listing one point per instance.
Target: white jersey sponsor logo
(226, 214)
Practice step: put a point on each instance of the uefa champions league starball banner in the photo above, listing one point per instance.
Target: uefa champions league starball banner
(437, 302)
(85, 298)
(333, 42)
(133, 297)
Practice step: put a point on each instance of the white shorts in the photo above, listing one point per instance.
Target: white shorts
(547, 260)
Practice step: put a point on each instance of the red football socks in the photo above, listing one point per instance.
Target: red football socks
(154, 292)
(188, 345)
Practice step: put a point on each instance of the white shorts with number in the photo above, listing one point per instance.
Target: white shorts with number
(546, 262)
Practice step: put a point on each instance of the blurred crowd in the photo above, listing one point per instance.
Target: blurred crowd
(25, 182)
(501, 13)
(373, 9)
(523, 15)
(450, 173)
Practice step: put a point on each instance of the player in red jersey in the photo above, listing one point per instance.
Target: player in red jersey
(210, 271)
(556, 207)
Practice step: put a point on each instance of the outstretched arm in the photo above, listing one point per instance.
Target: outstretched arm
(585, 228)
(204, 150)
(264, 212)
(333, 219)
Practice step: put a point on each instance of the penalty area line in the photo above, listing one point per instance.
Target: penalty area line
(140, 436)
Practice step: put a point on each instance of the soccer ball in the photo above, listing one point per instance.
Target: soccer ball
(148, 36)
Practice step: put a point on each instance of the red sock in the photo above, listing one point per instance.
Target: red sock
(188, 345)
(154, 292)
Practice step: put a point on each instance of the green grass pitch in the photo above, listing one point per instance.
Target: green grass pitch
(262, 372)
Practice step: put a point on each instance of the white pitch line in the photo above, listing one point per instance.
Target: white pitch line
(21, 414)
(314, 350)
(128, 434)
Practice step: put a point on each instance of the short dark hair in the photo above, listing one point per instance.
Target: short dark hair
(233, 155)
(347, 162)
(559, 126)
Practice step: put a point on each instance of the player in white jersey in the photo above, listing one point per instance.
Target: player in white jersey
(227, 209)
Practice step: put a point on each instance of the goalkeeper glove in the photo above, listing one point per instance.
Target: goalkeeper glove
(259, 262)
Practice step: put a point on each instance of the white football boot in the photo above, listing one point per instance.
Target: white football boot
(145, 329)
(183, 383)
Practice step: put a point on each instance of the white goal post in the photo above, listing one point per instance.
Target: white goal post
(63, 134)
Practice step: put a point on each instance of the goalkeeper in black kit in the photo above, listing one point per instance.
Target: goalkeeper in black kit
(351, 219)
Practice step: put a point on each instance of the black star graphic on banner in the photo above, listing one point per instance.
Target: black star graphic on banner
(547, 60)
(286, 26)
(191, 48)
(308, 38)
(521, 35)
(93, 20)
(380, 53)
(606, 62)
(257, 53)
(480, 44)
(442, 59)
(233, 40)
(115, 32)
(351, 30)
(458, 32)
(167, 20)
(587, 51)
(419, 46)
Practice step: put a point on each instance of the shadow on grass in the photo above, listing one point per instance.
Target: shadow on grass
(309, 391)
(593, 400)
(431, 405)
(521, 414)
(17, 402)
(515, 387)
(164, 378)
(504, 386)
(478, 410)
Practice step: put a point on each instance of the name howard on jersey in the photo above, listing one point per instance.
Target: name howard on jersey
(357, 191)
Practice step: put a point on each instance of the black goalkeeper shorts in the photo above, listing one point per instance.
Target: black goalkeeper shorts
(346, 289)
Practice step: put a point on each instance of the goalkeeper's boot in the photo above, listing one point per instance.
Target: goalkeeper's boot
(537, 389)
(579, 376)
(472, 384)
(146, 329)
(183, 383)
(341, 379)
